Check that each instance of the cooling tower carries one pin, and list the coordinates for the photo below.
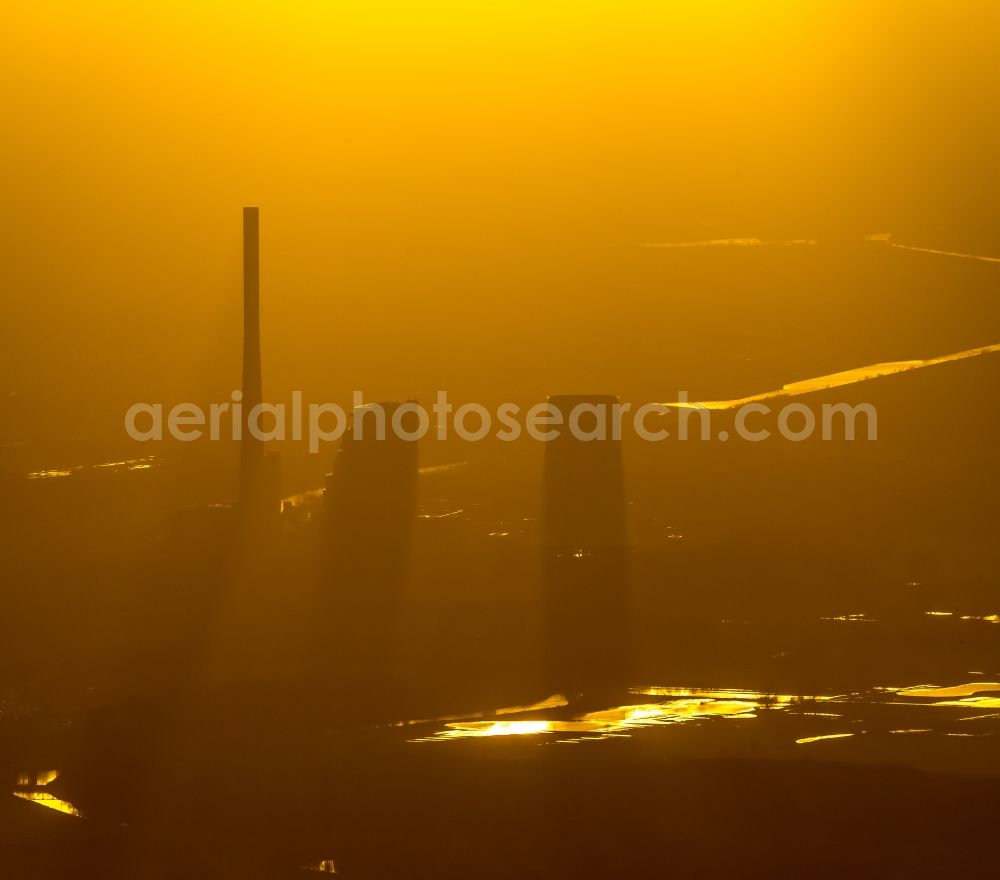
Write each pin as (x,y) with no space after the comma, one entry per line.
(584,554)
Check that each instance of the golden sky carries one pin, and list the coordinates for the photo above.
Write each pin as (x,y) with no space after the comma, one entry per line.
(426,167)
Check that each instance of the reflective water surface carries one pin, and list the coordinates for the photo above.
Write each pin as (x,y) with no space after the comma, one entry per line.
(701,705)
(837,380)
(44,799)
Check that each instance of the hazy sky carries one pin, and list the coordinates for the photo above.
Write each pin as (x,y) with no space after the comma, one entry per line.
(442,184)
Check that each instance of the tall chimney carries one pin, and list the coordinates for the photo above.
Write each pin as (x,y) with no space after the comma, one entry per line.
(251,451)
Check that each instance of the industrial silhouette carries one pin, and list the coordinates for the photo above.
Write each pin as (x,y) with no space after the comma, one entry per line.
(371,508)
(260,469)
(584,556)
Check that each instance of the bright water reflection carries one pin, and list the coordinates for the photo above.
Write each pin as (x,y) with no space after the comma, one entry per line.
(691,704)
(553,719)
(44,799)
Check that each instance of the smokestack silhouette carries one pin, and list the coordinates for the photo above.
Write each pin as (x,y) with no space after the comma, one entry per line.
(584,555)
(260,470)
(252,489)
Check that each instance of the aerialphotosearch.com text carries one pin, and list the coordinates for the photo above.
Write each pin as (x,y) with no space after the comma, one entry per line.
(583,418)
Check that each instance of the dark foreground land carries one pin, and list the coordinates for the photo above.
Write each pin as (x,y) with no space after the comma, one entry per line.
(523,812)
